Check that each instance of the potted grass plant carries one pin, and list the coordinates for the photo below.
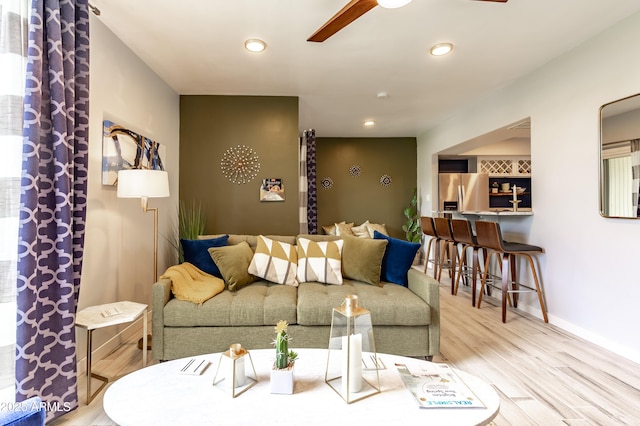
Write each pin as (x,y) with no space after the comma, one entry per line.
(282,371)
(191,223)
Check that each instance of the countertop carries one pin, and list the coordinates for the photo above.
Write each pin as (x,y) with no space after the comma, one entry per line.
(496,212)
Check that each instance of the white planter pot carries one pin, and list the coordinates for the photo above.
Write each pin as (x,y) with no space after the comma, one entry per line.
(282,381)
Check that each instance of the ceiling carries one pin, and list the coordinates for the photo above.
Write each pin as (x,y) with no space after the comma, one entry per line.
(196,46)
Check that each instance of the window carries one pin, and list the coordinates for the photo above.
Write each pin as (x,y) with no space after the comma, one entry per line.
(13,33)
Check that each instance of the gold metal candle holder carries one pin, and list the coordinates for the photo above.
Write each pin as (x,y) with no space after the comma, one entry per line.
(233,376)
(350,340)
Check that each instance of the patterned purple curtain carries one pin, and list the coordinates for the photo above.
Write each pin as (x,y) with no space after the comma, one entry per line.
(312,188)
(53,201)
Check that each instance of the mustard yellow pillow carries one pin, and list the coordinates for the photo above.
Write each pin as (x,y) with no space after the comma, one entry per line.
(320,261)
(233,262)
(362,259)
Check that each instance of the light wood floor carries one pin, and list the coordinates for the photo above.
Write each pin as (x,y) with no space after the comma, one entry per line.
(544,375)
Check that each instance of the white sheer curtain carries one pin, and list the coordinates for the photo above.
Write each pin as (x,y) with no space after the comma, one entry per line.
(13,42)
(635,171)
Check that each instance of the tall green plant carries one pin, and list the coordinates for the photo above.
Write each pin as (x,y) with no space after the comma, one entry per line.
(191,223)
(412,227)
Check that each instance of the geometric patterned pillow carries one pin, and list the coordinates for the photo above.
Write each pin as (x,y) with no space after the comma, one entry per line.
(320,261)
(275,261)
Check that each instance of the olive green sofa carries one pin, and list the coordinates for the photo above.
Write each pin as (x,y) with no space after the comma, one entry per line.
(406,320)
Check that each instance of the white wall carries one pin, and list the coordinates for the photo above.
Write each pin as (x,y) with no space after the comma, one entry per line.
(118,262)
(589,269)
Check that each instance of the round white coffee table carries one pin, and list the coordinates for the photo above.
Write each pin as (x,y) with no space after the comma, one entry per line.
(160,395)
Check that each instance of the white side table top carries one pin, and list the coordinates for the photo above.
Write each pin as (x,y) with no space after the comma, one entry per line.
(160,395)
(108,314)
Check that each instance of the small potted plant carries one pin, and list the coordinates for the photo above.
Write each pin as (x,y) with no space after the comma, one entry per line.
(282,371)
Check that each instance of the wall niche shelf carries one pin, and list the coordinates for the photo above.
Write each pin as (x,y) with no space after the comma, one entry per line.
(508,194)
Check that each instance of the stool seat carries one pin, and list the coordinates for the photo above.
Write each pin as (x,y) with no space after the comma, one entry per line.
(511,247)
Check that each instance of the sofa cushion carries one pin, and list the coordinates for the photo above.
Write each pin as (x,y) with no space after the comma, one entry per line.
(380,227)
(196,252)
(361,230)
(343,229)
(397,259)
(389,304)
(331,229)
(261,303)
(234,262)
(252,240)
(362,259)
(275,261)
(320,261)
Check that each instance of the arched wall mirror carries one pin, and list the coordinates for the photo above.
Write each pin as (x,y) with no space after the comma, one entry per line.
(620,158)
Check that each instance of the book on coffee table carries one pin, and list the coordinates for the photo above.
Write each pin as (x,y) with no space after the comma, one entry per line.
(438,386)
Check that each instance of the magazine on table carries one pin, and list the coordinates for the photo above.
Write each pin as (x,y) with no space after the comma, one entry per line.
(438,386)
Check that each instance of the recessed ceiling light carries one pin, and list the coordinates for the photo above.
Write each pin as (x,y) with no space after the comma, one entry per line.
(441,49)
(368,123)
(255,45)
(392,4)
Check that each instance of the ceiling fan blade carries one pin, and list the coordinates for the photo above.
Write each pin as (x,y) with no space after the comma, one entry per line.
(348,14)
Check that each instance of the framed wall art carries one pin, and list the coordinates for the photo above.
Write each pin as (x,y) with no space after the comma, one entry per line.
(123,149)
(272,190)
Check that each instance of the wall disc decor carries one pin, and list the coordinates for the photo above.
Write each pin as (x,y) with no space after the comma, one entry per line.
(355,170)
(240,164)
(326,183)
(385,180)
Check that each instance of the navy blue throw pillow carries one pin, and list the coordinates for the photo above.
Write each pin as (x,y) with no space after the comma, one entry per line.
(196,252)
(398,258)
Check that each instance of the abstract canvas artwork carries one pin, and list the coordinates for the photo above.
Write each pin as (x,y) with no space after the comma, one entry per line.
(125,149)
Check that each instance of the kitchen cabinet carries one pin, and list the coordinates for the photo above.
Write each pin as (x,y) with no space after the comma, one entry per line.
(504,166)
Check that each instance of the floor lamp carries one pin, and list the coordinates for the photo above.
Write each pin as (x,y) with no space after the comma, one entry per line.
(145,184)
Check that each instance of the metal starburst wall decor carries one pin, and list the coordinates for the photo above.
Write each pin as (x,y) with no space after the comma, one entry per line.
(240,164)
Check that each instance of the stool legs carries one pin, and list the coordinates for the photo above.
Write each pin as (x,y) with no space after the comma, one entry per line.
(433,241)
(475,271)
(508,267)
(448,249)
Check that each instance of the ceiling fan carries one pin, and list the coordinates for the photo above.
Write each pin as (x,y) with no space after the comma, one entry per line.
(352,11)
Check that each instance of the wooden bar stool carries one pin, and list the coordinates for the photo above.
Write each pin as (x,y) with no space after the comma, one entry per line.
(448,249)
(462,234)
(429,229)
(489,236)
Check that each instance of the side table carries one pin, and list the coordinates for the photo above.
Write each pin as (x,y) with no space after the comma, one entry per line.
(106,315)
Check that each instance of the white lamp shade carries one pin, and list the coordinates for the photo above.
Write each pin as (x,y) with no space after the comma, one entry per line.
(139,183)
(392,4)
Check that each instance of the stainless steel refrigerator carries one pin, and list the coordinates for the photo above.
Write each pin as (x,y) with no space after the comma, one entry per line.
(464,191)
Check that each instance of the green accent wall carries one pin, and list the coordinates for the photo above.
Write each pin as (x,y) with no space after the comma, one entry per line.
(209,125)
(360,198)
